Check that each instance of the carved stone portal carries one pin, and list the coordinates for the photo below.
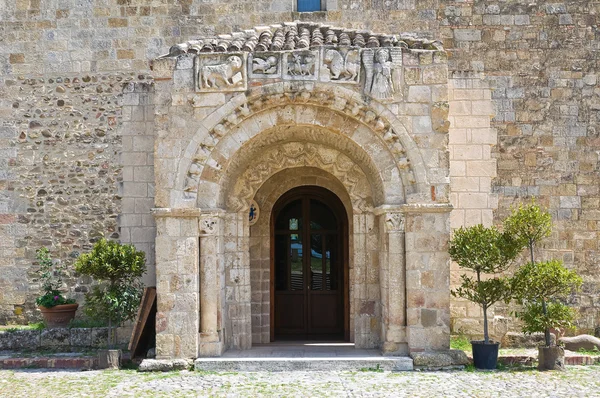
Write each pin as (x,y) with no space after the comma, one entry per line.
(383,72)
(221,72)
(340,65)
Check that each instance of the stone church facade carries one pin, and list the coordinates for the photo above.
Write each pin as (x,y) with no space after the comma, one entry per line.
(295,179)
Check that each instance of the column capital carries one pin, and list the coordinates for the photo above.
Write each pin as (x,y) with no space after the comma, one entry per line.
(209,220)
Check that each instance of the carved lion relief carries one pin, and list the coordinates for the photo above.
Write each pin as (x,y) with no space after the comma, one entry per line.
(220,72)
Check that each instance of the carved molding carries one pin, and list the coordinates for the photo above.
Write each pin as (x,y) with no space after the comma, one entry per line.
(307,95)
(298,154)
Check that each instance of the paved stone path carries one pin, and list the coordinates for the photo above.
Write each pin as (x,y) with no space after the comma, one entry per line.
(575,382)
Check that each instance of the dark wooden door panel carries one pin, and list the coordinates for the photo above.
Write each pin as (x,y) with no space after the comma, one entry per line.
(309,238)
(290,313)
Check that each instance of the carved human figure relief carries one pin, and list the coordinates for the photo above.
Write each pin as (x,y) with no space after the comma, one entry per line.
(220,73)
(383,72)
(341,65)
(300,65)
(264,65)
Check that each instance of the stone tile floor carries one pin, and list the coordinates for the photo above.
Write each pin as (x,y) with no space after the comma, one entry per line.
(577,381)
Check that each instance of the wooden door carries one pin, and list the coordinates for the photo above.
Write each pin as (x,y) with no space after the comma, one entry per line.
(308,265)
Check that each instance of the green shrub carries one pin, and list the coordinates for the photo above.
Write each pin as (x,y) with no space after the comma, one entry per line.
(118,270)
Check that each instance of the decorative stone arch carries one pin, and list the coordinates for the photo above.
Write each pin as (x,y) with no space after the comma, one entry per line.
(371,125)
(230,129)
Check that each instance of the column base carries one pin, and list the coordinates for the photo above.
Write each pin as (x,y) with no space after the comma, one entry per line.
(211,349)
(393,349)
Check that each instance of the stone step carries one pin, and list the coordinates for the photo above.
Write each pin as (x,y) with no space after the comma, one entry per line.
(304,364)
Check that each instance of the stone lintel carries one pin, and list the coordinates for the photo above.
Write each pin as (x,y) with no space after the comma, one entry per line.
(414,208)
(159,212)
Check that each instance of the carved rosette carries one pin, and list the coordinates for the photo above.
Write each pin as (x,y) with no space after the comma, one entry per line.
(220,72)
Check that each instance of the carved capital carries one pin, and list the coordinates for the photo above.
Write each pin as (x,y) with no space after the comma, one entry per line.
(208,223)
(394,222)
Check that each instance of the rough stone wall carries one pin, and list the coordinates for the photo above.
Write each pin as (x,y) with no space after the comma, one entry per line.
(541,62)
(539,58)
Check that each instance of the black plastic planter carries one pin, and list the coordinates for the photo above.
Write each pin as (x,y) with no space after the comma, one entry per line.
(485,356)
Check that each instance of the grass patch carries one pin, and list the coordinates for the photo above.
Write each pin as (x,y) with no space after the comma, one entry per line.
(15,328)
(378,369)
(594,352)
(460,342)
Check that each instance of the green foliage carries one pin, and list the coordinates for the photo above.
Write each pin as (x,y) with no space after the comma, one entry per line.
(539,287)
(50,274)
(557,315)
(118,269)
(485,251)
(544,281)
(110,261)
(528,224)
(482,249)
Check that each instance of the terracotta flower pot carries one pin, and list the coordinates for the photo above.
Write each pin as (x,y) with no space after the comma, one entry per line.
(59,316)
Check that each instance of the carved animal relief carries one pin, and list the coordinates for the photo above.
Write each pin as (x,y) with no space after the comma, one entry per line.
(221,73)
(383,72)
(264,65)
(300,65)
(340,65)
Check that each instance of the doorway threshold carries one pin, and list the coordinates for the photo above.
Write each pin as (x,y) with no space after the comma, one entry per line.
(304,356)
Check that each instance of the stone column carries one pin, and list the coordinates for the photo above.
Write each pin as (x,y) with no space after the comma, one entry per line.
(177,273)
(427,229)
(211,343)
(393,280)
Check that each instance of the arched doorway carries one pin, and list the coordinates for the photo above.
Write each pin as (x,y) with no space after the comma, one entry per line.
(309,266)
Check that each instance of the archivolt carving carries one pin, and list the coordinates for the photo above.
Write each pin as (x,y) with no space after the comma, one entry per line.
(310,94)
(299,154)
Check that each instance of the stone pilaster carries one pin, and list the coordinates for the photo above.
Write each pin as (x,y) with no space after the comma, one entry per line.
(177,270)
(427,229)
(209,224)
(392,280)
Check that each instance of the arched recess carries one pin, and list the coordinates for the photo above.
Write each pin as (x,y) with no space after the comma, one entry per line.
(259,242)
(370,126)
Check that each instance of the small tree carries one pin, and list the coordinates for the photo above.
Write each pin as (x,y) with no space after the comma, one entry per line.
(539,286)
(118,268)
(484,251)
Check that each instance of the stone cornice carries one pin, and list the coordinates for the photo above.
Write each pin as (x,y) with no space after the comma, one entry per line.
(414,208)
(176,212)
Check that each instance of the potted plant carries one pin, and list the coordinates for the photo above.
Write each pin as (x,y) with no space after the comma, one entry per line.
(56,310)
(541,287)
(485,251)
(118,270)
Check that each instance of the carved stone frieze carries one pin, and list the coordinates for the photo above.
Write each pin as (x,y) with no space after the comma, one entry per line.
(300,65)
(383,72)
(225,72)
(263,65)
(340,65)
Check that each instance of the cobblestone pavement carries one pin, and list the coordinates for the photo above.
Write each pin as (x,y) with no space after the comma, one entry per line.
(575,382)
